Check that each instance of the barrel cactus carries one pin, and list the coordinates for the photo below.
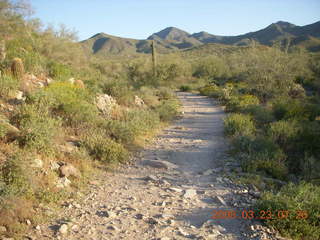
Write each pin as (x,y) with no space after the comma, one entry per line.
(17,68)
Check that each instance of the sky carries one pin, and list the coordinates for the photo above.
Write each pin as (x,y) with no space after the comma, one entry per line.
(140,18)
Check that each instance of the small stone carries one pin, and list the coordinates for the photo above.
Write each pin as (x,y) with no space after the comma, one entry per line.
(182,232)
(189,193)
(114,228)
(151,178)
(37,163)
(3,229)
(28,222)
(63,229)
(76,205)
(221,200)
(139,216)
(54,165)
(63,182)
(175,189)
(170,222)
(207,172)
(255,194)
(152,221)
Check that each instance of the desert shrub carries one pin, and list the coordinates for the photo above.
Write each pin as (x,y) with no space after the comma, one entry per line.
(59,71)
(14,211)
(239,103)
(210,68)
(250,144)
(284,132)
(8,85)
(261,162)
(16,176)
(298,200)
(308,138)
(119,131)
(38,129)
(185,88)
(310,168)
(73,104)
(165,93)
(239,124)
(141,121)
(260,114)
(149,96)
(168,110)
(295,108)
(120,90)
(105,149)
(168,72)
(3,129)
(211,91)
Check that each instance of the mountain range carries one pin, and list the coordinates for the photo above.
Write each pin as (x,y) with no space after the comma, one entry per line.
(173,39)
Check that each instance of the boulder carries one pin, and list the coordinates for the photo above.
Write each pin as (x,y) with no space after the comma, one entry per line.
(37,163)
(138,101)
(63,182)
(105,103)
(190,193)
(71,80)
(79,83)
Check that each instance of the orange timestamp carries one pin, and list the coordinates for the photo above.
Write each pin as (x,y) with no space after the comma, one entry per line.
(262,214)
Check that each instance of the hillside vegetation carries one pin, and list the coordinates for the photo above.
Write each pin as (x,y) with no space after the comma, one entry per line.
(69,110)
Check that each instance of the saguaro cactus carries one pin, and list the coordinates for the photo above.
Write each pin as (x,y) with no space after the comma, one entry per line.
(17,68)
(154,63)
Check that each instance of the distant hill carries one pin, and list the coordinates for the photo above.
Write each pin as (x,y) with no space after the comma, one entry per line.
(173,39)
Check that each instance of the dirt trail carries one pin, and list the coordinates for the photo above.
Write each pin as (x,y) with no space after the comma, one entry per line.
(144,202)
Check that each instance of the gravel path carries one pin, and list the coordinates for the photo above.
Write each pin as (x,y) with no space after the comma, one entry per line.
(169,192)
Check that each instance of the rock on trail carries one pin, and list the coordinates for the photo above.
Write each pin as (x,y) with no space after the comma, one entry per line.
(170,191)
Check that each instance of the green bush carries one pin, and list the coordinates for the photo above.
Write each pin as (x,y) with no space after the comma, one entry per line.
(168,110)
(165,93)
(295,108)
(260,154)
(239,103)
(104,149)
(3,130)
(211,91)
(238,124)
(73,104)
(284,132)
(260,162)
(59,71)
(260,114)
(297,200)
(185,88)
(38,129)
(210,68)
(142,121)
(16,176)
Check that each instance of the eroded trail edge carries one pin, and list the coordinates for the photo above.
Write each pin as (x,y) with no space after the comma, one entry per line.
(169,192)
